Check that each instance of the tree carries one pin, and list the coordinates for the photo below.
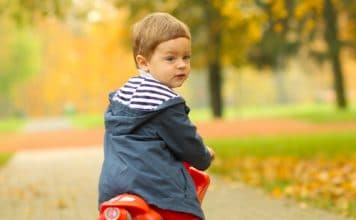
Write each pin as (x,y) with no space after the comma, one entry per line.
(331,35)
(291,24)
(322,17)
(222,30)
(276,44)
(24,12)
(19,59)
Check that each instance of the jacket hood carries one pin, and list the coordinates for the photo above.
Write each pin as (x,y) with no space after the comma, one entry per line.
(128,119)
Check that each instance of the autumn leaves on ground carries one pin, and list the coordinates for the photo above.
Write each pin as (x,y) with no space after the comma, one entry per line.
(313,163)
(326,183)
(315,167)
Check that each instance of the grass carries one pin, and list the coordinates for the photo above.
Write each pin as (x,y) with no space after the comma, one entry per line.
(301,145)
(5,157)
(324,114)
(312,113)
(8,125)
(305,146)
(88,120)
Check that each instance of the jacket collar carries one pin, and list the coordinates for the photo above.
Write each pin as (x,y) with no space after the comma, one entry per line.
(146,75)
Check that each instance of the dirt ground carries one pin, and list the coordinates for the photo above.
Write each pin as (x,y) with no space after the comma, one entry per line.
(68,138)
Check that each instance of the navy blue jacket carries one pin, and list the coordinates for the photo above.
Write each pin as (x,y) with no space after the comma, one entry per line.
(143,154)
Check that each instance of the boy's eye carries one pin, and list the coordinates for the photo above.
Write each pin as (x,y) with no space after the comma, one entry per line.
(169,58)
(186,57)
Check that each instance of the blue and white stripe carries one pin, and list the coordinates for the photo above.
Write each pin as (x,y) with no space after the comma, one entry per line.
(143,92)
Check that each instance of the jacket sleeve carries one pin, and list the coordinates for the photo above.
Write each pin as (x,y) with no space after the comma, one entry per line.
(181,137)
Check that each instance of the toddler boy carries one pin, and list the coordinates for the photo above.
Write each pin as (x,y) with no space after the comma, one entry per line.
(147,130)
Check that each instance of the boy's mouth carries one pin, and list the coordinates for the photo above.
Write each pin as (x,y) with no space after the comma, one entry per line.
(182,75)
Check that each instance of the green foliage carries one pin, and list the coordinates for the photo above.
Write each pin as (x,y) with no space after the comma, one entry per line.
(5,157)
(10,124)
(24,12)
(275,45)
(21,59)
(207,19)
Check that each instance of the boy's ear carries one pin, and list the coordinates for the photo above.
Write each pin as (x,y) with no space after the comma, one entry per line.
(142,63)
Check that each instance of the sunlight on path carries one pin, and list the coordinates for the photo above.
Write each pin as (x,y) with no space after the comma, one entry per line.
(52,184)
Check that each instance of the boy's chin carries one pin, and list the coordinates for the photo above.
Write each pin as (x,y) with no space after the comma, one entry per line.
(177,85)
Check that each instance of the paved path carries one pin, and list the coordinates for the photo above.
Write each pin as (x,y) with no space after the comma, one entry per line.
(47,124)
(62,185)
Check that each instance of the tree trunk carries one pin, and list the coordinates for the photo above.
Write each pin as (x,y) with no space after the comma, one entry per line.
(279,78)
(214,62)
(333,42)
(279,82)
(215,82)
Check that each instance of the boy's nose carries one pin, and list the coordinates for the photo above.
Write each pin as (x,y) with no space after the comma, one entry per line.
(182,63)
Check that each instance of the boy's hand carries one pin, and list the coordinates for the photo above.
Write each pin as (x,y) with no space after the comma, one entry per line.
(212,153)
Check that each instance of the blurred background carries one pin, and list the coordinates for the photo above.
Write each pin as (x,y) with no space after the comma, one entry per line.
(64,57)
(272,90)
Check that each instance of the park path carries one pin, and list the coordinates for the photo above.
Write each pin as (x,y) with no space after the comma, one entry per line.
(61,184)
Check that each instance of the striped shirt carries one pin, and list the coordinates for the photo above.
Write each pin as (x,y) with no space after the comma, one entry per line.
(143,92)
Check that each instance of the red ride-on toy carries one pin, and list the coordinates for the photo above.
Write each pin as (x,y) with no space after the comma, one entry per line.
(132,207)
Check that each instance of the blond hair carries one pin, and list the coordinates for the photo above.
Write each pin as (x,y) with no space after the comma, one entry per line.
(154,29)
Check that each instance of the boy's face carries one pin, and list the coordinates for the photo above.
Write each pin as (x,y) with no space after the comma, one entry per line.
(170,62)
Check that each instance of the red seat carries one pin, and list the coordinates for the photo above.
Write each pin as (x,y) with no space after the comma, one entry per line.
(135,205)
(201,181)
(125,205)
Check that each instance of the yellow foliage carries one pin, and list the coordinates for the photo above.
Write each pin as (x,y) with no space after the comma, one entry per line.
(254,30)
(309,25)
(313,179)
(79,68)
(230,10)
(305,7)
(277,192)
(279,10)
(278,28)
